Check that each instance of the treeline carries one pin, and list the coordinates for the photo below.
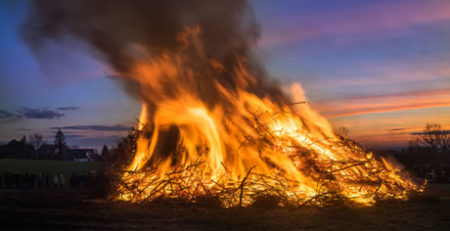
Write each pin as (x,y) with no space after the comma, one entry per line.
(34,147)
(428,156)
(17,150)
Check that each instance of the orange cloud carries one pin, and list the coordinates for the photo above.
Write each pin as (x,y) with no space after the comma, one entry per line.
(367,104)
(393,128)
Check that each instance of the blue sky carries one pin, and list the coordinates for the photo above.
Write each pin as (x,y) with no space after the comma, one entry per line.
(376,67)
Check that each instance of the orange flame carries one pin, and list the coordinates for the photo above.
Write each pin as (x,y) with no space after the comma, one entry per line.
(246,143)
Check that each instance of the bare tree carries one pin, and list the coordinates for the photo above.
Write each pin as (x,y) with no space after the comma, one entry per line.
(342,132)
(434,138)
(37,140)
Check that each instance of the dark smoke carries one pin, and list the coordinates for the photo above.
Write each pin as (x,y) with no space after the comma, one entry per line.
(112,28)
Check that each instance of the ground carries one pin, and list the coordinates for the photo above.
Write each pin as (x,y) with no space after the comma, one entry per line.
(52,166)
(68,209)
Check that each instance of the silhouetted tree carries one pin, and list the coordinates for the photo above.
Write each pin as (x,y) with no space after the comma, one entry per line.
(105,151)
(342,132)
(36,140)
(429,153)
(23,140)
(433,138)
(60,139)
(124,152)
(60,143)
(16,149)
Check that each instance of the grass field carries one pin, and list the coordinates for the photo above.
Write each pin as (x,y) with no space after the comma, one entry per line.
(67,168)
(74,210)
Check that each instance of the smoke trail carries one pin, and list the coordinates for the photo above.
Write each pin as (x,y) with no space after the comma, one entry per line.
(122,32)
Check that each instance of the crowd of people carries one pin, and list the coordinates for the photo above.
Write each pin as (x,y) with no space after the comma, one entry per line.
(45,180)
(85,179)
(434,175)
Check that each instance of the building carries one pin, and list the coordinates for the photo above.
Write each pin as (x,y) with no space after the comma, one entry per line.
(50,151)
(47,151)
(82,154)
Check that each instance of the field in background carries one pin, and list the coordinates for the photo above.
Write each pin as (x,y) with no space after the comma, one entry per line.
(67,168)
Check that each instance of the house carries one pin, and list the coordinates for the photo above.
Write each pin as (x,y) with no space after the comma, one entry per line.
(47,151)
(81,154)
(52,151)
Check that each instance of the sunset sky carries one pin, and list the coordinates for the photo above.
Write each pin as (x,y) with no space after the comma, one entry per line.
(378,68)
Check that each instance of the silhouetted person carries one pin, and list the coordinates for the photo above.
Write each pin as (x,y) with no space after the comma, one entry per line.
(61,180)
(55,181)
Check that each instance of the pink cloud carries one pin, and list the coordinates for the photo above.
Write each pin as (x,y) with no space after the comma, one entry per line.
(400,72)
(369,104)
(392,129)
(368,21)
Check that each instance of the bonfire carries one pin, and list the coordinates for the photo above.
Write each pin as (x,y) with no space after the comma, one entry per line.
(245,147)
(213,123)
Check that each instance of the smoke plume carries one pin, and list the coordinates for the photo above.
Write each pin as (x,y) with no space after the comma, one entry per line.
(121,33)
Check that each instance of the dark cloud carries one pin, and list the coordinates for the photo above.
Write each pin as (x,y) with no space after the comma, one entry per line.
(67,108)
(7,115)
(431,132)
(73,136)
(95,127)
(94,141)
(398,129)
(34,113)
(31,113)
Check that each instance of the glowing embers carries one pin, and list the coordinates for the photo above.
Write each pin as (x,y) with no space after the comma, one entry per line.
(279,156)
(215,130)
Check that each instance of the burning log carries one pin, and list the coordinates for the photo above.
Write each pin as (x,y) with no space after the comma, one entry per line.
(360,178)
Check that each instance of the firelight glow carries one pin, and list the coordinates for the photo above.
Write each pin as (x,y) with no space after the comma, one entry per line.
(245,145)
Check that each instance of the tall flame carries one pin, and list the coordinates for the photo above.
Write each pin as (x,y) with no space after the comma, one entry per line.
(245,144)
(212,124)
